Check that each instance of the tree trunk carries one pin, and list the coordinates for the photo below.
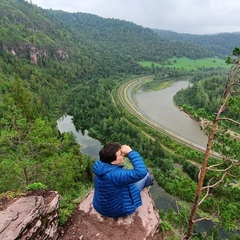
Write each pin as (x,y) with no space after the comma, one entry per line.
(200,180)
(232,81)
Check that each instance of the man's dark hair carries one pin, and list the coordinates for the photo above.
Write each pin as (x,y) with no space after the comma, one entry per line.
(108,153)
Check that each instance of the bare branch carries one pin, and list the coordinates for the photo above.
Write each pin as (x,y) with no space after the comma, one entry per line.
(231,175)
(203,127)
(217,165)
(201,219)
(220,170)
(179,210)
(230,120)
(206,195)
(215,184)
(232,82)
(207,218)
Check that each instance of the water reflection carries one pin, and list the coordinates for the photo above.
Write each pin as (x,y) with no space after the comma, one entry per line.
(162,199)
(88,145)
(159,107)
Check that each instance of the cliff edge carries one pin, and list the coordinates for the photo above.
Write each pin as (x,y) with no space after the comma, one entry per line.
(34,216)
(87,224)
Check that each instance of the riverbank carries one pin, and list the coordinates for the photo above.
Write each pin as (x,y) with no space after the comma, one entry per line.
(140,126)
(158,107)
(136,110)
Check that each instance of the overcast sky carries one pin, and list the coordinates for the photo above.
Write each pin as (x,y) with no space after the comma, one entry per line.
(182,16)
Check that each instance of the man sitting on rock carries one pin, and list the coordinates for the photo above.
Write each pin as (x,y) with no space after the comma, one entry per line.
(117,190)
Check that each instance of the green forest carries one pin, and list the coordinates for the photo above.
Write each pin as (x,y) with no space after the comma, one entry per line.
(54,62)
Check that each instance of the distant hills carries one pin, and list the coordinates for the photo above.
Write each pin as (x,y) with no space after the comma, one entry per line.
(220,44)
(53,62)
(23,24)
(86,45)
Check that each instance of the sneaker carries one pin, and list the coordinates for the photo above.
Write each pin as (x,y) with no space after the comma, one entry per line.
(150,171)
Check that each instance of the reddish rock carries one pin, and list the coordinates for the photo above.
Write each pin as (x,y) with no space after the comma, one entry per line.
(87,224)
(31,217)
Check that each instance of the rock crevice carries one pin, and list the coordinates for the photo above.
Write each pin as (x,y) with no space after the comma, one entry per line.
(31,217)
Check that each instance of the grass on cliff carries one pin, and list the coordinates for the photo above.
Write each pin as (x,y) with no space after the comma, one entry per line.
(68,204)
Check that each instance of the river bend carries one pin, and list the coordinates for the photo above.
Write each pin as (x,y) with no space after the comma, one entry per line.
(159,107)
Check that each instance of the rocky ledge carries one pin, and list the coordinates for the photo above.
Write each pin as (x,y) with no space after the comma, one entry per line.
(34,216)
(87,224)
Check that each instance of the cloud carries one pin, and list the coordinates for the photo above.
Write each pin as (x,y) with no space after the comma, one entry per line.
(183,16)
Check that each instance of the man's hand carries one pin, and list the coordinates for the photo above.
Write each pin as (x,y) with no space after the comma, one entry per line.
(125,149)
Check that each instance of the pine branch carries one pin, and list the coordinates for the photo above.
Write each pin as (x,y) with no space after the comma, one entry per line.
(201,219)
(206,195)
(215,184)
(230,120)
(219,170)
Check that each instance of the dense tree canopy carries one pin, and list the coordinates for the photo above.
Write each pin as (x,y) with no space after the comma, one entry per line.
(53,62)
(220,44)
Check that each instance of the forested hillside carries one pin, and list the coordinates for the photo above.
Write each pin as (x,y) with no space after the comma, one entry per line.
(203,99)
(54,62)
(204,94)
(96,45)
(220,44)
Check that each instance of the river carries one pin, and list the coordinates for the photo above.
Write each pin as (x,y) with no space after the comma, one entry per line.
(91,147)
(159,107)
(88,145)
(163,200)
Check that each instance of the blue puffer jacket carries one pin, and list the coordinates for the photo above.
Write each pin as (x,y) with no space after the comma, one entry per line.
(115,194)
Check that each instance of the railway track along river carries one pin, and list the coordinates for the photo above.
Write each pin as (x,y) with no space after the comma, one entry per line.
(127,89)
